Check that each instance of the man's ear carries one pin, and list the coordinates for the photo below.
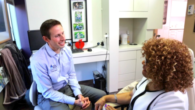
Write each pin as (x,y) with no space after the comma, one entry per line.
(45,39)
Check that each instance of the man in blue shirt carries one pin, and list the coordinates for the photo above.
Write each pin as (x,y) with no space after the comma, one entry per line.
(53,71)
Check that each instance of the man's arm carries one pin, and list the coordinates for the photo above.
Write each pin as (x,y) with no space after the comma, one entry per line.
(73,82)
(44,84)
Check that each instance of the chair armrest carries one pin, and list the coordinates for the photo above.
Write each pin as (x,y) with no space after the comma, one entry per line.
(113,104)
(116,105)
(129,87)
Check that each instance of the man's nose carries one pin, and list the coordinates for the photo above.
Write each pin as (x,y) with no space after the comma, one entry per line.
(62,37)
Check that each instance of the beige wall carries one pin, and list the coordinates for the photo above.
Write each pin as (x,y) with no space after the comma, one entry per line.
(189,35)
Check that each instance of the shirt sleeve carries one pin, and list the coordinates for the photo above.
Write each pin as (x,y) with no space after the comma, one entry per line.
(172,101)
(44,84)
(73,82)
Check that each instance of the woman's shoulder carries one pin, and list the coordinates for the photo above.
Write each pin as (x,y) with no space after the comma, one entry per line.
(176,95)
(172,99)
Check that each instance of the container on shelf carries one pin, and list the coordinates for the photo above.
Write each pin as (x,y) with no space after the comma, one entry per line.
(124,39)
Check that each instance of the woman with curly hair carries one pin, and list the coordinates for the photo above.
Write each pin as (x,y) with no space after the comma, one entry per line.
(167,73)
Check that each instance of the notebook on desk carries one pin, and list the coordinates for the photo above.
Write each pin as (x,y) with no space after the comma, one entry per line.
(77,50)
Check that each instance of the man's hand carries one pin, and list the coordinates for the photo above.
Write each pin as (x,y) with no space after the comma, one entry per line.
(100,103)
(85,101)
(78,102)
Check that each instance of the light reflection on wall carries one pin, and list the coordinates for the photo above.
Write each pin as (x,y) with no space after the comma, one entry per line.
(14,25)
(2,21)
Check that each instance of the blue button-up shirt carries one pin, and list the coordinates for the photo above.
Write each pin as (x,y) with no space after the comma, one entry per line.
(52,71)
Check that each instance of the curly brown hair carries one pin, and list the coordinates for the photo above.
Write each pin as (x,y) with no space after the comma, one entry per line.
(169,64)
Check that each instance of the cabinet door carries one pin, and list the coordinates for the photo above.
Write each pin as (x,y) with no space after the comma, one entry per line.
(180,35)
(126,5)
(176,34)
(139,66)
(127,55)
(155,14)
(140,5)
(127,66)
(126,72)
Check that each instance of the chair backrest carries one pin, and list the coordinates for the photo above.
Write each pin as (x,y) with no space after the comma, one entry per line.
(191,91)
(33,97)
(33,93)
(191,96)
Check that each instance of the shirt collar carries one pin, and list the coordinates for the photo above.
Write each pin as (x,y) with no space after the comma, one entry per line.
(50,51)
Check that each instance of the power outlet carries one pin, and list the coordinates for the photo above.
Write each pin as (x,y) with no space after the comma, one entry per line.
(106,35)
(104,68)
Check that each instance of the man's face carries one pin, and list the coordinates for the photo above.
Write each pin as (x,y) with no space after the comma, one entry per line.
(57,38)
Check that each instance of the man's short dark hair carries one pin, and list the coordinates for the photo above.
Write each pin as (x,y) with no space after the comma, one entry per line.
(47,25)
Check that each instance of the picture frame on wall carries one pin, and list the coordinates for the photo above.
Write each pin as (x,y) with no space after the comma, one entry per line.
(4,23)
(78,20)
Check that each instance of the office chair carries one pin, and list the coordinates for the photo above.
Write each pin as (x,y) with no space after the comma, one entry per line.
(33,97)
(190,91)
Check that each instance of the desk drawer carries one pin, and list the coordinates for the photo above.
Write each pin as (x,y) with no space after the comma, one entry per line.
(127,55)
(127,66)
(89,59)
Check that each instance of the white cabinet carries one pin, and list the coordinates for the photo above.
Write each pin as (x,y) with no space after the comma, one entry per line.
(139,66)
(127,64)
(138,18)
(140,5)
(126,5)
(155,14)
(150,9)
(127,55)
(133,5)
(130,65)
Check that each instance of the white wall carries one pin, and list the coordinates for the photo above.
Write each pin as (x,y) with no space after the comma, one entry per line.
(40,10)
(126,24)
(85,71)
(136,28)
(139,30)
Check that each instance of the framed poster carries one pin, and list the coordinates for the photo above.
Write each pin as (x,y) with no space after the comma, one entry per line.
(78,18)
(4,23)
